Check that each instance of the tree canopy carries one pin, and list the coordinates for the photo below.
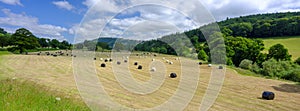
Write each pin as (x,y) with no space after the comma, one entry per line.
(278,52)
(23,40)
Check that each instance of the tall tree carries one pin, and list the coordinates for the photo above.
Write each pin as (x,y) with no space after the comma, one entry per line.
(278,52)
(24,40)
(2,31)
(43,42)
(4,39)
(54,43)
(239,48)
(64,45)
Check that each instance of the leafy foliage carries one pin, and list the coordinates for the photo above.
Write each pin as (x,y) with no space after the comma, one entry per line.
(278,52)
(239,48)
(281,69)
(246,64)
(24,40)
(202,55)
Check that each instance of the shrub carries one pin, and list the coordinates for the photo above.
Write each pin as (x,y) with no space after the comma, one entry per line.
(202,55)
(294,75)
(255,68)
(229,61)
(245,64)
(275,68)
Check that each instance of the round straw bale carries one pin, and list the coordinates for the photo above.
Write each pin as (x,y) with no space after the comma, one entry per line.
(173,75)
(200,63)
(220,67)
(103,65)
(268,95)
(140,67)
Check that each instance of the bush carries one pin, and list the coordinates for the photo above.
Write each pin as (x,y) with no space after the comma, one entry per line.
(255,68)
(202,55)
(278,69)
(297,61)
(294,75)
(229,61)
(245,64)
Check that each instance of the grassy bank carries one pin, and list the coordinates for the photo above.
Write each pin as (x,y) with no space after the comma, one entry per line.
(28,96)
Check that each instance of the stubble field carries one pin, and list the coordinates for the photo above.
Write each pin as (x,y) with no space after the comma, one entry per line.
(238,92)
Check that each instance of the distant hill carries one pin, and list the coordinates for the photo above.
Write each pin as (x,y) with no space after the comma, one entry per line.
(111,41)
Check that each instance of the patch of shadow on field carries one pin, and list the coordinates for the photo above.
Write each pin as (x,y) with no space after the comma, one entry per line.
(289,88)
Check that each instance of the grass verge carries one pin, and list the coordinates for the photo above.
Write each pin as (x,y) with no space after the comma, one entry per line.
(28,96)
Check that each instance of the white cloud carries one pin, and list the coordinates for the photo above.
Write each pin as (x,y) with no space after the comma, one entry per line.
(12,2)
(89,3)
(235,8)
(31,23)
(101,11)
(153,17)
(63,4)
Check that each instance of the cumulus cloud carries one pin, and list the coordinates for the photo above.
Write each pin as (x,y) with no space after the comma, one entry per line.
(12,2)
(235,8)
(31,23)
(63,4)
(161,16)
(137,21)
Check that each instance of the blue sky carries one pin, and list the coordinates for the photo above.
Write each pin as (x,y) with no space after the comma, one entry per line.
(66,19)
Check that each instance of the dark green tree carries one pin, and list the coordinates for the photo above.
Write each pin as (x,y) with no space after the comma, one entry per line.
(239,48)
(2,31)
(64,45)
(278,52)
(43,42)
(54,43)
(24,40)
(4,39)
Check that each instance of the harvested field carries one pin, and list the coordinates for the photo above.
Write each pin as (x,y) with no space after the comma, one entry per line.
(238,93)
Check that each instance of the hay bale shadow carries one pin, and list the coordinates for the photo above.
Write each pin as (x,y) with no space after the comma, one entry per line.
(289,88)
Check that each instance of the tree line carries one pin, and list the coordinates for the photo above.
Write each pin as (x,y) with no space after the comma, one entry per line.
(241,43)
(23,40)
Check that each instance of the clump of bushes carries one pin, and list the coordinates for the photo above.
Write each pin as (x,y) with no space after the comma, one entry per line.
(255,68)
(246,64)
(275,69)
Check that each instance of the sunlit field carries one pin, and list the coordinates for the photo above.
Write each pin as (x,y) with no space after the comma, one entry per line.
(55,74)
(291,43)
